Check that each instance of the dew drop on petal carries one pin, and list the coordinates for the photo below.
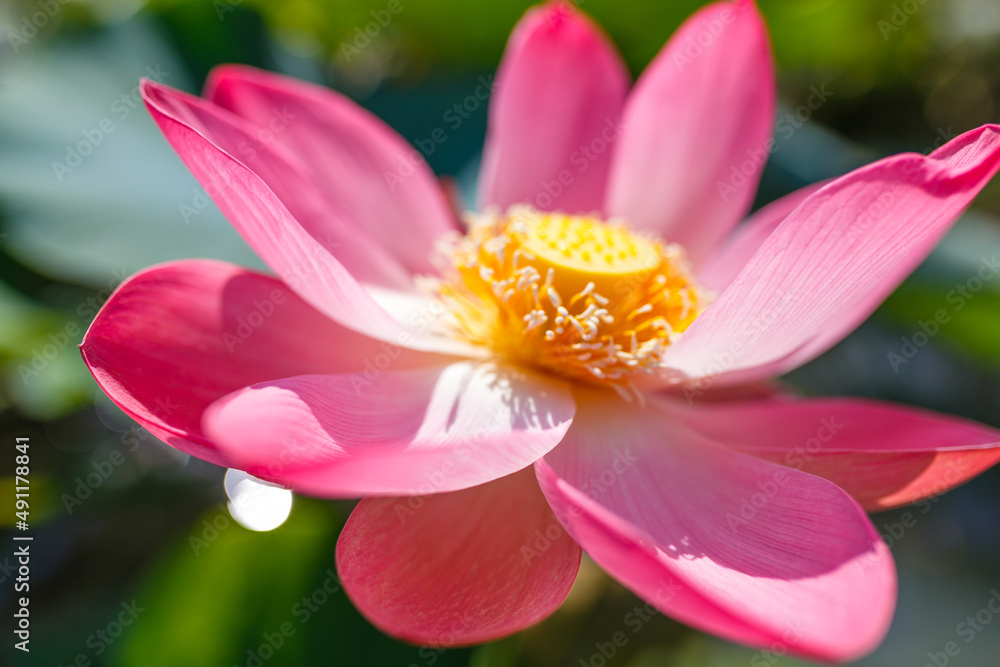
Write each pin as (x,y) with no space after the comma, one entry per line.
(254,503)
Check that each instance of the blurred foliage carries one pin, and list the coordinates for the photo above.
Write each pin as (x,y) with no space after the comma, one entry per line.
(974,329)
(292,610)
(901,80)
(426,33)
(954,298)
(43,375)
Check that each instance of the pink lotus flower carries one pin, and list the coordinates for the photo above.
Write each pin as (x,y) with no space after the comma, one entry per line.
(574,341)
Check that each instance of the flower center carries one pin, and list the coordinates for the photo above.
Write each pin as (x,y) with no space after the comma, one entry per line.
(573,295)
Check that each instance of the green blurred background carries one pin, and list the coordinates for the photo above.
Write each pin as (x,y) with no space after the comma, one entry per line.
(154,534)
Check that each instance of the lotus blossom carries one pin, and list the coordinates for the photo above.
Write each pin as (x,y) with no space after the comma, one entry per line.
(580,365)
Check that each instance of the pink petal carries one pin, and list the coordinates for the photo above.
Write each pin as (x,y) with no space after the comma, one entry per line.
(458,568)
(554,114)
(380,183)
(174,338)
(727,260)
(703,108)
(298,233)
(884,455)
(952,151)
(282,172)
(436,429)
(731,544)
(834,259)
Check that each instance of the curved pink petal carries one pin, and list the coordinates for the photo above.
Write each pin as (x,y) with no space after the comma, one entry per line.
(458,568)
(430,430)
(727,260)
(956,151)
(298,234)
(554,115)
(833,260)
(884,455)
(381,184)
(281,171)
(174,338)
(698,129)
(729,543)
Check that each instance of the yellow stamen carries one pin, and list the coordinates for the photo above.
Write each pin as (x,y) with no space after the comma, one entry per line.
(572,295)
